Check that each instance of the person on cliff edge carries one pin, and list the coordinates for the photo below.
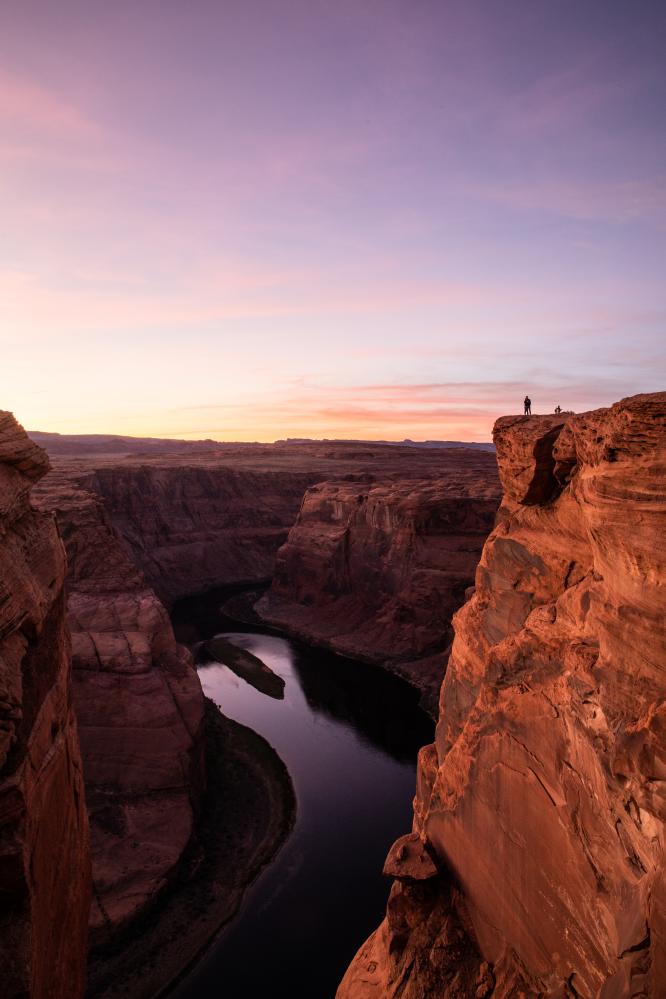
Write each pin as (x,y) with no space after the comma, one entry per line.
(528,406)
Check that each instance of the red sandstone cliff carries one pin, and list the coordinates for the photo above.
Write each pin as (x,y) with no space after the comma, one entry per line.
(192,527)
(543,801)
(197,516)
(139,707)
(375,570)
(44,857)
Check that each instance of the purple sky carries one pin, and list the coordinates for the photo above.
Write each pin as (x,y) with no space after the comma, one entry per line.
(246,219)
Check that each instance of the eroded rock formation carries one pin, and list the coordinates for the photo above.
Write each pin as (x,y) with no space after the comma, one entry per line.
(192,527)
(194,516)
(139,706)
(44,855)
(543,801)
(376,569)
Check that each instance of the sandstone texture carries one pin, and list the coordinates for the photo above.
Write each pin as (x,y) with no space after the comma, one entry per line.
(543,800)
(139,707)
(376,569)
(198,515)
(44,851)
(193,527)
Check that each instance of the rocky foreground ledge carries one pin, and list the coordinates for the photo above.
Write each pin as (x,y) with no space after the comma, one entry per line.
(542,803)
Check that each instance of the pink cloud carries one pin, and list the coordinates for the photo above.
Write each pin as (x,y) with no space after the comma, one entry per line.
(35,108)
(617,201)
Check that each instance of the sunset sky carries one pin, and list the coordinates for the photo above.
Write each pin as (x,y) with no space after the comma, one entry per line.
(353,218)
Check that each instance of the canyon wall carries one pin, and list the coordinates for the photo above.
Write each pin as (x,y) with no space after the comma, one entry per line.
(375,569)
(196,526)
(179,521)
(536,863)
(44,854)
(195,516)
(139,707)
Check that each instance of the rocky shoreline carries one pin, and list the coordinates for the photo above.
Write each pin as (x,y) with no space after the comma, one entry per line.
(248,812)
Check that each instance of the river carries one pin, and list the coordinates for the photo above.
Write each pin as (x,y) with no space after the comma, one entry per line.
(348,734)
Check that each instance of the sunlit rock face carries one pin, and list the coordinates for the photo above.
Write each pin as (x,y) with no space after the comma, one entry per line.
(139,706)
(44,850)
(543,800)
(375,570)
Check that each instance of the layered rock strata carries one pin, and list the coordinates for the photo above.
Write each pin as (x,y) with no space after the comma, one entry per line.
(542,803)
(376,570)
(44,853)
(139,706)
(194,527)
(202,515)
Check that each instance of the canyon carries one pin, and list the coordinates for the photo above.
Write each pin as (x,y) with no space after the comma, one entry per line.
(144,523)
(535,864)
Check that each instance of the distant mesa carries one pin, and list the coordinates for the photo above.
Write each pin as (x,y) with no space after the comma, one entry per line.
(407,442)
(66,444)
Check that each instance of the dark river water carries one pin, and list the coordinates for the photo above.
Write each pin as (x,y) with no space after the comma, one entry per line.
(348,734)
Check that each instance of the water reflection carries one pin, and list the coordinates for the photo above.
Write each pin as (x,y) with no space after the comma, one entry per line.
(348,734)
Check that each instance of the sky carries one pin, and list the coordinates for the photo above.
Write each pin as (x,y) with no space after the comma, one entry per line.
(252,219)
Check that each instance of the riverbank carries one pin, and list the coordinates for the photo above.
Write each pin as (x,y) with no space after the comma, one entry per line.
(248,813)
(230,607)
(348,734)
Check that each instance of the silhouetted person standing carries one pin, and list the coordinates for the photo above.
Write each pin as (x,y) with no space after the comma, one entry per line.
(528,406)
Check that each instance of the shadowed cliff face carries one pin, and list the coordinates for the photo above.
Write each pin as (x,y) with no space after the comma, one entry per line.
(376,570)
(198,516)
(139,707)
(44,856)
(191,528)
(543,799)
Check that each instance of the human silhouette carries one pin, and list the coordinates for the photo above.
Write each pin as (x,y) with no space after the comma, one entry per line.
(558,409)
(528,406)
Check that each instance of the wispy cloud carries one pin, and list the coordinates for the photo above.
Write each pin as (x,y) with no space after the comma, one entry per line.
(32,108)
(441,409)
(579,198)
(44,128)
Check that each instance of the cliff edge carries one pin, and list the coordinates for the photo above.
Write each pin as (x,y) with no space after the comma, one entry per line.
(542,803)
(44,856)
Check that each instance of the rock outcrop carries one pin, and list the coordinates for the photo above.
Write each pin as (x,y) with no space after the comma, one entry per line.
(376,569)
(44,854)
(543,801)
(140,708)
